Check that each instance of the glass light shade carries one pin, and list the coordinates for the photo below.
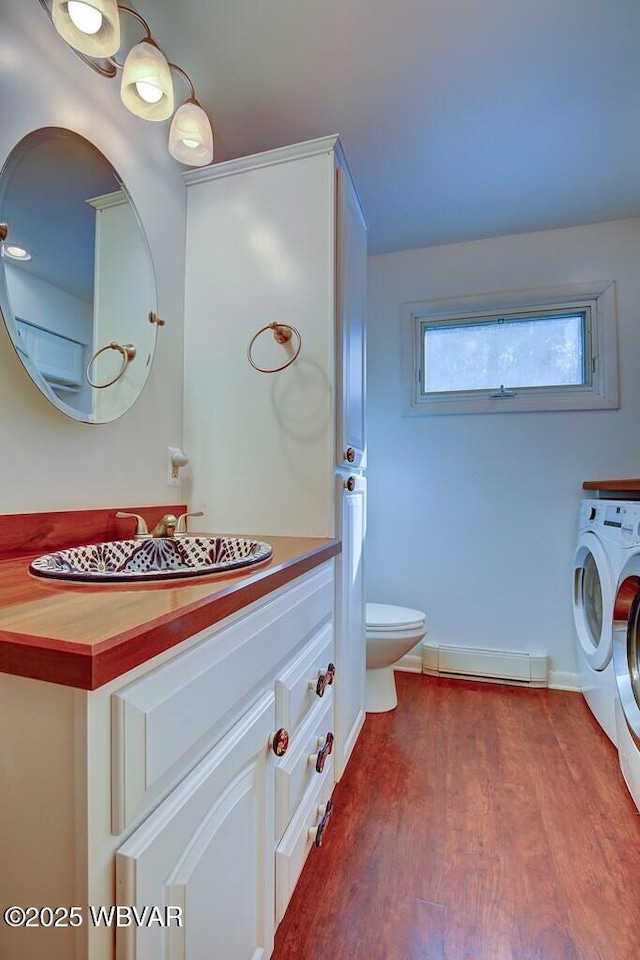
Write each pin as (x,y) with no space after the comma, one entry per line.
(191,136)
(147,86)
(76,23)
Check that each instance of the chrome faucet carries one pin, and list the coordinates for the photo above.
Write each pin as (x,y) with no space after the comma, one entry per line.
(165,527)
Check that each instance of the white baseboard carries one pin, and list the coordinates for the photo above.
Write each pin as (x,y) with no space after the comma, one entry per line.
(563,680)
(410,663)
(492,666)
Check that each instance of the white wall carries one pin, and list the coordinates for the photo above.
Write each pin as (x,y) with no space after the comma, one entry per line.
(56,462)
(472,518)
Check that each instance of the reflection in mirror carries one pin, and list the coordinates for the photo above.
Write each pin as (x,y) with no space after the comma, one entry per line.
(77,290)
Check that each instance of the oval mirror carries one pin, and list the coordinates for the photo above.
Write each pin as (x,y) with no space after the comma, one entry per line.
(77,289)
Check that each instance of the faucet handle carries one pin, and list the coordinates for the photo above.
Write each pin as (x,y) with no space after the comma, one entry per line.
(142,529)
(181,527)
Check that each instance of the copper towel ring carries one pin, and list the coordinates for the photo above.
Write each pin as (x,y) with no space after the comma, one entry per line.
(282,333)
(128,352)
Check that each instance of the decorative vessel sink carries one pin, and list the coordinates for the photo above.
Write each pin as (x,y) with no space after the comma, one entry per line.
(153,559)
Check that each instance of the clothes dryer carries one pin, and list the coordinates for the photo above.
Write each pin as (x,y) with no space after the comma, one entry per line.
(626,653)
(597,563)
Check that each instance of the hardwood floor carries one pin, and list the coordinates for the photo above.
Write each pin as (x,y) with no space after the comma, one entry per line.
(474,822)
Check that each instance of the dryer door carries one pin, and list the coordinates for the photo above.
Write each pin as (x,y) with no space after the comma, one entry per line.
(593,596)
(626,648)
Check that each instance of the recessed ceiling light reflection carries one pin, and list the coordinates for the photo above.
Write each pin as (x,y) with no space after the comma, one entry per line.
(14,252)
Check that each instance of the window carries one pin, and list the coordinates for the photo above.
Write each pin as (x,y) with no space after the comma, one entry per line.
(528,350)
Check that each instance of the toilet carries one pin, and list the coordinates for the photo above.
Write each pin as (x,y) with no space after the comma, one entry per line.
(391,632)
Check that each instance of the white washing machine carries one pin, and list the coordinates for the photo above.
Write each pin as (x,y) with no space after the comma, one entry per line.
(598,559)
(626,654)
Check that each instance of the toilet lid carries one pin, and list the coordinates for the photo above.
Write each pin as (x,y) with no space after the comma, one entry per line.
(385,615)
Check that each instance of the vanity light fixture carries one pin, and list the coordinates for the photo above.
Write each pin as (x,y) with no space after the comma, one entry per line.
(92,27)
(147,87)
(190,135)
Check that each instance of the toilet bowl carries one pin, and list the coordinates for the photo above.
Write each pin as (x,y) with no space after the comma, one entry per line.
(391,632)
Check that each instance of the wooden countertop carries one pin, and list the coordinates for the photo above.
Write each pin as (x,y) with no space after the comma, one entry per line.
(84,634)
(622,485)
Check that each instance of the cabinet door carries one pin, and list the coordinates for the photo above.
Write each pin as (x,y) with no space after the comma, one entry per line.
(350,618)
(260,248)
(351,299)
(209,851)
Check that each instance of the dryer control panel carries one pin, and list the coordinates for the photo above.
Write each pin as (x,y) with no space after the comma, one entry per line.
(613,514)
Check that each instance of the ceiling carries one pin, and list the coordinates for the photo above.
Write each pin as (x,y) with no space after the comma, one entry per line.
(48,183)
(461,119)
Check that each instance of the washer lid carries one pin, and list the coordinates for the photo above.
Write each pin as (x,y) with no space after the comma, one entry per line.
(382,616)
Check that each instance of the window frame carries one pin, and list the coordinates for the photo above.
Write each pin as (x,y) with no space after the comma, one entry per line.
(600,393)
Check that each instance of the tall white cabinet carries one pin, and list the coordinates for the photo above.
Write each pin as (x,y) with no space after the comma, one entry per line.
(123,280)
(281,237)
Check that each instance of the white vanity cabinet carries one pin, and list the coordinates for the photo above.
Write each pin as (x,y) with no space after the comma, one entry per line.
(208,849)
(281,237)
(194,784)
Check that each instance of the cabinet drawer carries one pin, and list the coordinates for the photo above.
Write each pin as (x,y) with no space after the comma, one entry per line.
(293,849)
(296,688)
(296,772)
(164,722)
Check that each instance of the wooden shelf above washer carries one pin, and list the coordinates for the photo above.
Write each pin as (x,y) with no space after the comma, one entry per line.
(622,485)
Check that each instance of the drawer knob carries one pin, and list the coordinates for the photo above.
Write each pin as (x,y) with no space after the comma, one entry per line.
(319,759)
(324,680)
(350,455)
(279,742)
(316,833)
(350,484)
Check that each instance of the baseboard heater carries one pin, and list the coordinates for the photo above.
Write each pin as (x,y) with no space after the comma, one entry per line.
(491,666)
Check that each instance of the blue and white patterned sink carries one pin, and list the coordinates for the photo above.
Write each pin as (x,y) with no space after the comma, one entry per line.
(153,559)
